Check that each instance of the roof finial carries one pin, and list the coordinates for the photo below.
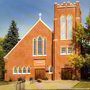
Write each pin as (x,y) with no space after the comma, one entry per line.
(40,16)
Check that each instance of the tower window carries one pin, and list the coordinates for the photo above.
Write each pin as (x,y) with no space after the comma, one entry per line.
(63,27)
(69,27)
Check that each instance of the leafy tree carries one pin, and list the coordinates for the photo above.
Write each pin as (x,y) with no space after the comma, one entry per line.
(77,62)
(2,64)
(1,42)
(87,60)
(11,38)
(82,35)
(87,30)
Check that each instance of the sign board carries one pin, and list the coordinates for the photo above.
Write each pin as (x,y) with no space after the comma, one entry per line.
(39,63)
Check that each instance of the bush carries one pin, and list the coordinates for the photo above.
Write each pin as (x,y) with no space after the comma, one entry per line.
(39,80)
(31,78)
(20,79)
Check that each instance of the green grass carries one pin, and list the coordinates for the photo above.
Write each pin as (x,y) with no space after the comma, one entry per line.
(83,84)
(7,85)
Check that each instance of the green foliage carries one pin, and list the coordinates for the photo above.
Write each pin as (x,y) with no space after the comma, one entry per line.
(76,61)
(1,42)
(82,35)
(11,38)
(87,60)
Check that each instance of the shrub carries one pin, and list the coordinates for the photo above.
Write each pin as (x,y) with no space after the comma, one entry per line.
(31,78)
(39,80)
(20,79)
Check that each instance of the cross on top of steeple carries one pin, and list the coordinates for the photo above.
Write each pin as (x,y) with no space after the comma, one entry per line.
(40,16)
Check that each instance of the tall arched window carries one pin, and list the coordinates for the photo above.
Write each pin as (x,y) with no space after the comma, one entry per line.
(63,27)
(34,43)
(23,70)
(14,70)
(39,46)
(40,43)
(44,46)
(69,27)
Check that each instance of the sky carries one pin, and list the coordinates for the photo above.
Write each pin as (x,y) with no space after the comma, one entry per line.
(25,13)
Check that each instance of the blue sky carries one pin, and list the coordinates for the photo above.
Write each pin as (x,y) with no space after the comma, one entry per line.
(25,13)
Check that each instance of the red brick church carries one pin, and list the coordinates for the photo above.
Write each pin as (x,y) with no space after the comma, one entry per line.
(43,52)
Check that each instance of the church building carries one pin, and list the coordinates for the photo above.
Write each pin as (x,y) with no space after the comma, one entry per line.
(43,53)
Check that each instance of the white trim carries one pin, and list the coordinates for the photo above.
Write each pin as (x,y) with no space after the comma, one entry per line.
(26,35)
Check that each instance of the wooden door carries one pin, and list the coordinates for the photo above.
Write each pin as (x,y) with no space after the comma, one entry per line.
(39,73)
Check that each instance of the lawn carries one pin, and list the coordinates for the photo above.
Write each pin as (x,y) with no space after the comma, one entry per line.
(7,86)
(83,84)
(58,84)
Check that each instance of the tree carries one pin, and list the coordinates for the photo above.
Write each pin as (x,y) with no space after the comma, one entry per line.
(82,35)
(2,64)
(11,38)
(1,42)
(77,62)
(87,30)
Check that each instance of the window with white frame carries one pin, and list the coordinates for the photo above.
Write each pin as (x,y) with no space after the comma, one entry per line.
(44,46)
(63,27)
(69,27)
(63,51)
(15,70)
(28,70)
(70,50)
(66,50)
(19,70)
(34,41)
(39,46)
(24,70)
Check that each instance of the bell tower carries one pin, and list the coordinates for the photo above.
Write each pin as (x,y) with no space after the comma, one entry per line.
(67,16)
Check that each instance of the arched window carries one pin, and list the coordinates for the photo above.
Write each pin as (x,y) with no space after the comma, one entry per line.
(44,46)
(69,27)
(34,43)
(63,27)
(28,70)
(24,70)
(40,43)
(39,46)
(14,70)
(19,70)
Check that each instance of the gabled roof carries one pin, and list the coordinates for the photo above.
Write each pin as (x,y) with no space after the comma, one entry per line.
(27,34)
